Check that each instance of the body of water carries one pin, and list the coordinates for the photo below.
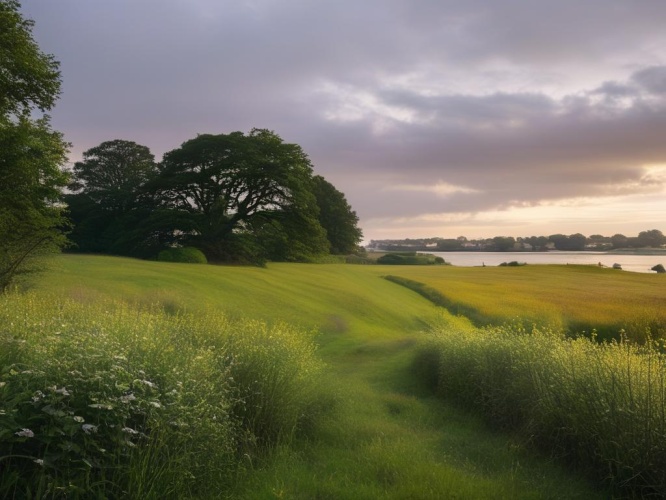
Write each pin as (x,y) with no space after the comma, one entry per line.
(634,263)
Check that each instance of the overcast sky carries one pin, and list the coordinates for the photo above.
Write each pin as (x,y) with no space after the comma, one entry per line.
(435,118)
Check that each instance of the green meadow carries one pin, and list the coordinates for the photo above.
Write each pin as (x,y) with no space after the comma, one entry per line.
(326,381)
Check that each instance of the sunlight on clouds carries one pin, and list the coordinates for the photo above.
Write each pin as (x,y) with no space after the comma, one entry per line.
(440,188)
(608,215)
(353,104)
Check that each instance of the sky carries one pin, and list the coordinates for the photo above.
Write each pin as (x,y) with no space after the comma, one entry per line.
(435,118)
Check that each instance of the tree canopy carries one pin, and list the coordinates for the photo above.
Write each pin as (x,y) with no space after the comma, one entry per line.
(336,217)
(31,153)
(108,196)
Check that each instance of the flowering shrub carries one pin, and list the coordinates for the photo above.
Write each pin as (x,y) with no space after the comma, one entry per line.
(107,400)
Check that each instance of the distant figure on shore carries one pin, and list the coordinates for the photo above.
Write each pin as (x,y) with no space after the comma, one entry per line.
(483,264)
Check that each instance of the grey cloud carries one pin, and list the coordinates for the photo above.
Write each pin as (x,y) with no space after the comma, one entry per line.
(652,79)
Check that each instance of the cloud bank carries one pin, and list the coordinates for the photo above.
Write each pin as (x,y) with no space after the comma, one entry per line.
(436,116)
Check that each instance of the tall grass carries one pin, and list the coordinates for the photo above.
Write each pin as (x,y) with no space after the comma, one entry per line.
(599,406)
(105,400)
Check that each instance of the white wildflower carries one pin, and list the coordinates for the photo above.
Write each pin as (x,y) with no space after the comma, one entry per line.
(127,398)
(130,431)
(155,404)
(25,433)
(79,419)
(39,461)
(150,384)
(62,390)
(37,396)
(101,406)
(89,428)
(2,384)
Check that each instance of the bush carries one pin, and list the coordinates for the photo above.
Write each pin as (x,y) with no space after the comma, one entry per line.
(599,406)
(659,268)
(107,401)
(188,255)
(409,258)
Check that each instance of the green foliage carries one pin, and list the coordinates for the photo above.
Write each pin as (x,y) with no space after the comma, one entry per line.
(230,184)
(105,400)
(28,78)
(659,268)
(182,254)
(336,217)
(409,258)
(31,154)
(598,406)
(108,199)
(513,263)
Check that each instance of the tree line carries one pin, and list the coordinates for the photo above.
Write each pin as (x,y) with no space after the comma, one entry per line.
(652,238)
(236,197)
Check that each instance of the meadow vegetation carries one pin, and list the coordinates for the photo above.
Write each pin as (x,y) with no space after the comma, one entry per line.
(174,383)
(368,424)
(107,400)
(598,406)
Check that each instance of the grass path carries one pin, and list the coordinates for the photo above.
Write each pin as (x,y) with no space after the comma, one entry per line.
(393,439)
(388,437)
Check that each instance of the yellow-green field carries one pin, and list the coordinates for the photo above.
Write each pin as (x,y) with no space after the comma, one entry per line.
(574,297)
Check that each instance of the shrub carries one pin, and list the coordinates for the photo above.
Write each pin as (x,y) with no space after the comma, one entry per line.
(107,401)
(188,255)
(409,258)
(659,268)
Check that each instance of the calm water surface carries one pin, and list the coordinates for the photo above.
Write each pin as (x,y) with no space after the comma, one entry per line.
(635,263)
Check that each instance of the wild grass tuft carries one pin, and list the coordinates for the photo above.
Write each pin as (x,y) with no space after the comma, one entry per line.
(600,406)
(108,400)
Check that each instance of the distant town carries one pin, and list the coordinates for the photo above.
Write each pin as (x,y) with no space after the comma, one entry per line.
(652,238)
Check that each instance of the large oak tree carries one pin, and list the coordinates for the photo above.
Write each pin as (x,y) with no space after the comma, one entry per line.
(241,196)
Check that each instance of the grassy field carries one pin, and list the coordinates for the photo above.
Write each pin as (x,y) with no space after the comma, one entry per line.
(577,298)
(386,436)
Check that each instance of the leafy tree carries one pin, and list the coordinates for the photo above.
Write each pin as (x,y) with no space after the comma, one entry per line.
(225,190)
(113,174)
(31,153)
(336,217)
(503,243)
(108,197)
(652,238)
(572,242)
(449,245)
(619,241)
